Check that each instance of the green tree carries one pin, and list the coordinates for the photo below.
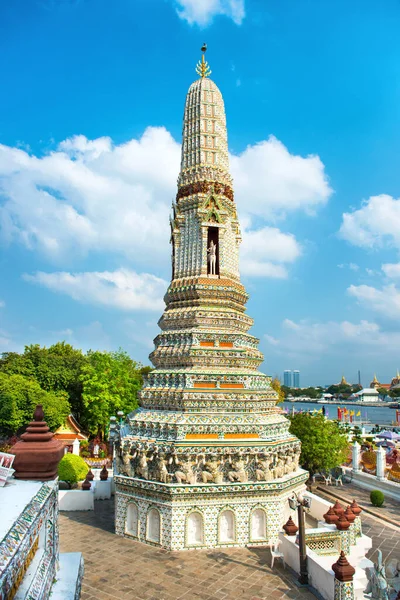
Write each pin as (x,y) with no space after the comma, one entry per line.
(110,382)
(18,399)
(342,389)
(56,369)
(323,445)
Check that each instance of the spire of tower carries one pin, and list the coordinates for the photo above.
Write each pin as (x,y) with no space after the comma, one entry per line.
(202,67)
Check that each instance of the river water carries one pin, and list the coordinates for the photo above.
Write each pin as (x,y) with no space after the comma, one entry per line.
(369,414)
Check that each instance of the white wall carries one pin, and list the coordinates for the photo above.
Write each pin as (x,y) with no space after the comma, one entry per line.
(76,499)
(370,482)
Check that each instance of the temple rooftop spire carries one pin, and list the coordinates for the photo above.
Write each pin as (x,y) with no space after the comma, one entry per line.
(202,67)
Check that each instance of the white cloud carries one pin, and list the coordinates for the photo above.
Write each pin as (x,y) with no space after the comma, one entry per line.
(202,12)
(376,224)
(2,304)
(269,181)
(392,270)
(311,339)
(92,196)
(123,289)
(385,301)
(264,252)
(351,266)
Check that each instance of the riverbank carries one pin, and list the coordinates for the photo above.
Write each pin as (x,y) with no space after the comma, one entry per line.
(380,403)
(365,413)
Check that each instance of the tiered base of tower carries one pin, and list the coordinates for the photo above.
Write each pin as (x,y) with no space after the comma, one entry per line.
(179,517)
(216,473)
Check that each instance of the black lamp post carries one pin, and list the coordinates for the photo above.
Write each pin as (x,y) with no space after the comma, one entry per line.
(300,502)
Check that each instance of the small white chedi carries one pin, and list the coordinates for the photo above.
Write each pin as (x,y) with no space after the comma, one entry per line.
(207,460)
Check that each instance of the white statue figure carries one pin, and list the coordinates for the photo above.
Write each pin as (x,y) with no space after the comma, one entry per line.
(212,257)
(96,449)
(263,471)
(161,468)
(288,466)
(185,472)
(296,460)
(142,468)
(377,586)
(211,472)
(393,573)
(279,468)
(239,470)
(124,462)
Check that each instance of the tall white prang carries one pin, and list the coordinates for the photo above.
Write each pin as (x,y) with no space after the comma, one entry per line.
(207,460)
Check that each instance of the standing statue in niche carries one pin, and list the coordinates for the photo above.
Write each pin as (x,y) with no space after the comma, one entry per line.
(212,258)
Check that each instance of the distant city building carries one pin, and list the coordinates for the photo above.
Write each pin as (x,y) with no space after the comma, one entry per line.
(296,379)
(366,395)
(287,379)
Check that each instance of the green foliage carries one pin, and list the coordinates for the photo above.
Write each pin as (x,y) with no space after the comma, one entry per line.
(56,369)
(323,445)
(311,392)
(342,389)
(72,468)
(18,399)
(357,435)
(377,498)
(64,371)
(110,383)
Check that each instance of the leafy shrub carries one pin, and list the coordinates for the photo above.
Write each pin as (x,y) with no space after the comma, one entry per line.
(72,468)
(84,444)
(377,498)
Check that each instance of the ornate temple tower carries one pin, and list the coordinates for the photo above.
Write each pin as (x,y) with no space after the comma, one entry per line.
(207,460)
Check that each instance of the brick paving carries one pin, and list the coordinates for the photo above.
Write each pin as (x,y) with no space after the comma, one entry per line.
(120,568)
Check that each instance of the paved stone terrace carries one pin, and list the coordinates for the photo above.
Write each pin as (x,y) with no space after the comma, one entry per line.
(121,568)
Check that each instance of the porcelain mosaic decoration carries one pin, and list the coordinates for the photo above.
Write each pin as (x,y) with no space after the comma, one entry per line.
(32,542)
(207,460)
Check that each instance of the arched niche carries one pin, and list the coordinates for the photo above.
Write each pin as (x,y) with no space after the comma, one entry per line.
(258,525)
(153,530)
(132,519)
(227,526)
(195,529)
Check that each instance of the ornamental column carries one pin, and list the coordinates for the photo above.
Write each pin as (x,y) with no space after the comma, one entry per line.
(356,457)
(344,572)
(380,463)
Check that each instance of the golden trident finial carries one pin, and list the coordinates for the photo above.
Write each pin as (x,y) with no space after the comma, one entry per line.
(202,67)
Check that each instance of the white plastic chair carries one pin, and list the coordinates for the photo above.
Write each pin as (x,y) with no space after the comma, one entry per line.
(276,554)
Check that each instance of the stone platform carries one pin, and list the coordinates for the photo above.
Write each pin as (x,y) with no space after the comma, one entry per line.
(122,569)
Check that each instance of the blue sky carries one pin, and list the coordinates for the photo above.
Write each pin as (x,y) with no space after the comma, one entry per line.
(90,124)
